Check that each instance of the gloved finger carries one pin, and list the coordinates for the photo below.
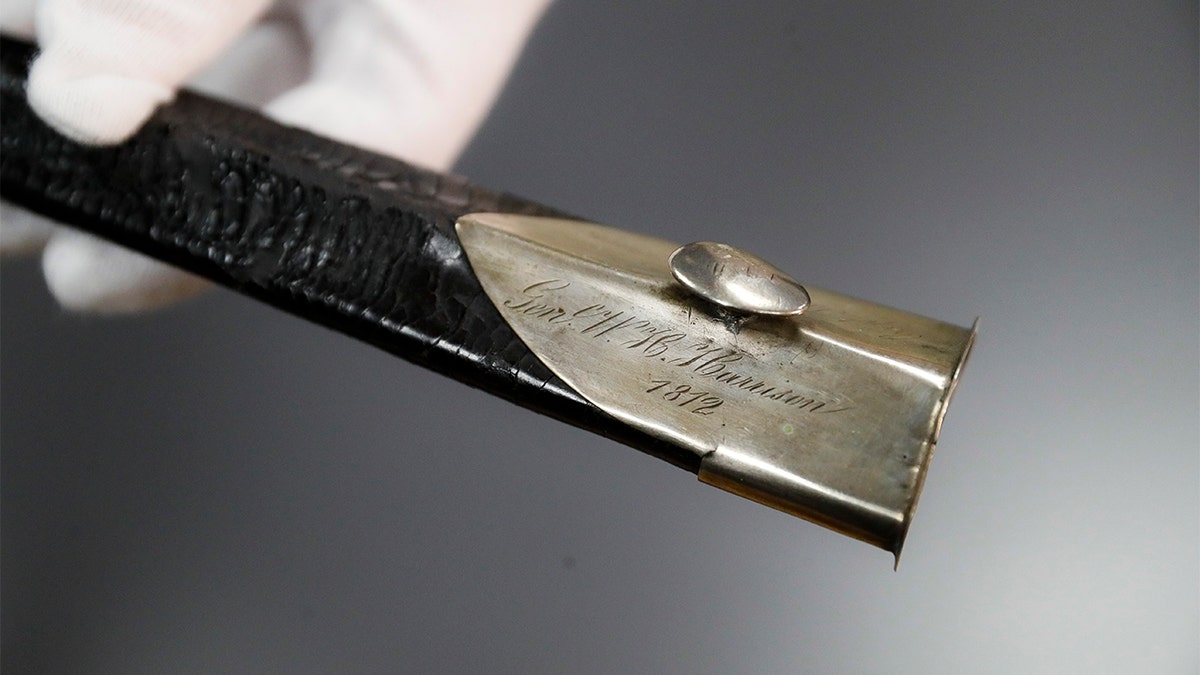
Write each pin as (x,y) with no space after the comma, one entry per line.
(410,78)
(87,274)
(106,64)
(22,231)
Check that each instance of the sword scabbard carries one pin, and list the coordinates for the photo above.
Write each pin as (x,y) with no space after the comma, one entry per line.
(816,404)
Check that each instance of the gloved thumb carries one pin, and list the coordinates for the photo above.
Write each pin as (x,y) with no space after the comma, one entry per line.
(105,65)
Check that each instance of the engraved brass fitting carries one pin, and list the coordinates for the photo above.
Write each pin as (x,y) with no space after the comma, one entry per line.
(831,414)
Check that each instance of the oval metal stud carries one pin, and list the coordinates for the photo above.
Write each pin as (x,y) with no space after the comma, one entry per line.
(737,280)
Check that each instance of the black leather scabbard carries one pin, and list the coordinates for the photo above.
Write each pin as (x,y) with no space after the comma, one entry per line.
(360,243)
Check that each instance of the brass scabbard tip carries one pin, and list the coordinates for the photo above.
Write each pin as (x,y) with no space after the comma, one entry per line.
(825,406)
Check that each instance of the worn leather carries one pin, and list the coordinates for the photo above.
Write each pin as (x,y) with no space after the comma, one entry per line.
(358,242)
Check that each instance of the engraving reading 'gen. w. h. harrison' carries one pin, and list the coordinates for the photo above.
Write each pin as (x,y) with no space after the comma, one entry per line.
(699,357)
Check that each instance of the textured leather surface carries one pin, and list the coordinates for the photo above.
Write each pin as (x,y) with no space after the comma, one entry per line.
(358,242)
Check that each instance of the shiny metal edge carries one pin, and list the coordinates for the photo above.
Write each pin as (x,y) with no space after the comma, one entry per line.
(943,408)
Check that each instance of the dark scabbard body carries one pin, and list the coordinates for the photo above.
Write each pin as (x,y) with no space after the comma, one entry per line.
(355,241)
(828,410)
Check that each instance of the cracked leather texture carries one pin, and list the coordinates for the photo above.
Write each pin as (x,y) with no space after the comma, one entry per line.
(358,242)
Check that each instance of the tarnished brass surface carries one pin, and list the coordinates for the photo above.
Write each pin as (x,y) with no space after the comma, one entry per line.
(830,415)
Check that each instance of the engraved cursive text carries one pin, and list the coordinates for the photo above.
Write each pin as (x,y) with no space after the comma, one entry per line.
(724,366)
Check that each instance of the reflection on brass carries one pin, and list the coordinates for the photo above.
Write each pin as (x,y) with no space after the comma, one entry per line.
(830,415)
(736,281)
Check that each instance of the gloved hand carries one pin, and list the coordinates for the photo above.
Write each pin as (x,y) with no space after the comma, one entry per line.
(408,78)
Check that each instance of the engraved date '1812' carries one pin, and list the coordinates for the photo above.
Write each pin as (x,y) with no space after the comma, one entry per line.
(682,395)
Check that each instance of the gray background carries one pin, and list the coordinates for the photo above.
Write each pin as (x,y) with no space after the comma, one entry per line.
(222,488)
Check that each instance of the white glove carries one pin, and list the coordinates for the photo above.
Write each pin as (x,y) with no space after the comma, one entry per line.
(408,78)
